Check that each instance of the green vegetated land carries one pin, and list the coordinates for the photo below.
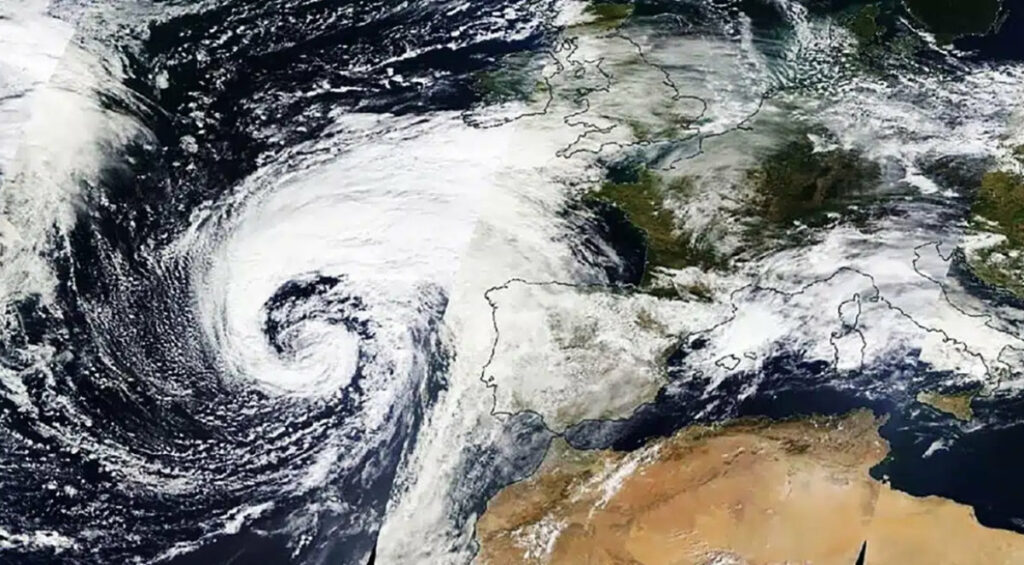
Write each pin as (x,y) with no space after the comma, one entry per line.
(790,184)
(864,24)
(797,183)
(948,19)
(643,200)
(608,15)
(884,45)
(1000,205)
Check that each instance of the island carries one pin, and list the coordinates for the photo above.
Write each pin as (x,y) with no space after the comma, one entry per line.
(957,405)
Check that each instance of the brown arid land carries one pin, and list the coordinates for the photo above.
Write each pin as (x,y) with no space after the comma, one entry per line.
(748,493)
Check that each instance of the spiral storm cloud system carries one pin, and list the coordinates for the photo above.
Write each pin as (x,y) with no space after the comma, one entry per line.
(446,281)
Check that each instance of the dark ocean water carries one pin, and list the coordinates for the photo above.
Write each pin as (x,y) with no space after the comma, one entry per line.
(1005,43)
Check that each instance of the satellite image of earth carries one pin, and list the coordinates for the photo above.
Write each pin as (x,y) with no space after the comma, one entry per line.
(581,282)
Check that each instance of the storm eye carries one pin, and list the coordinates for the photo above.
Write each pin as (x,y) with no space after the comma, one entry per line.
(304,312)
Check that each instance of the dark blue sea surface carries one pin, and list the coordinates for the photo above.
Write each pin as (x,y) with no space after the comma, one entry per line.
(1005,43)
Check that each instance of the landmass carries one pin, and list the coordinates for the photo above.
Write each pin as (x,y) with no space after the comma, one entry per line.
(573,353)
(608,15)
(864,23)
(643,199)
(797,181)
(750,492)
(958,405)
(999,210)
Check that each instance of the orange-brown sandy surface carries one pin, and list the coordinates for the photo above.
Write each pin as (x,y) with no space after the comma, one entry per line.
(748,493)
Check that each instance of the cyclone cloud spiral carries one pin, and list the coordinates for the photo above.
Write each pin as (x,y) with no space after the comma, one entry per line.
(225,342)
